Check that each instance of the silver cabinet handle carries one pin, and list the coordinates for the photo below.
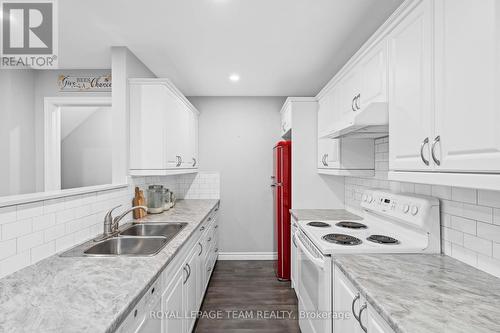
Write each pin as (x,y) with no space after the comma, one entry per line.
(194,162)
(363,308)
(201,249)
(433,154)
(352,306)
(187,274)
(424,143)
(216,250)
(216,226)
(352,103)
(293,241)
(209,239)
(356,103)
(179,161)
(326,159)
(202,228)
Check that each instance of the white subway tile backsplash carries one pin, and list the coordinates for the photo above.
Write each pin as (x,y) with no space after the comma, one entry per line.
(470,218)
(44,221)
(53,205)
(480,213)
(29,210)
(54,232)
(463,254)
(423,189)
(453,236)
(488,264)
(7,248)
(28,241)
(14,263)
(42,251)
(488,231)
(8,214)
(489,198)
(464,195)
(463,224)
(64,216)
(16,229)
(443,192)
(496,216)
(479,245)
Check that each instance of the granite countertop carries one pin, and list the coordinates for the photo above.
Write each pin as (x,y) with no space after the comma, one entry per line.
(426,293)
(323,215)
(90,294)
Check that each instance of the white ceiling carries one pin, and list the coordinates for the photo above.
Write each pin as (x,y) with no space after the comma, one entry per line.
(278,47)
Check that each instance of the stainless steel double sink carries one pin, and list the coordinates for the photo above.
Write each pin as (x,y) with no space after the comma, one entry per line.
(138,239)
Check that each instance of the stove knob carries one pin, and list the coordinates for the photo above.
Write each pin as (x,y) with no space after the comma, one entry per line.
(414,210)
(406,209)
(365,198)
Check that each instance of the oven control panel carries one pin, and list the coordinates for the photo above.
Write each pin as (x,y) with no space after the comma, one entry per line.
(411,208)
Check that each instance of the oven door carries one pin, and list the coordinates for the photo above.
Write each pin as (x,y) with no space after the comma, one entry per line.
(314,287)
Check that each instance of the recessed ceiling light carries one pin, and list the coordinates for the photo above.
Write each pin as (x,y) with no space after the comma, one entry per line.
(234,77)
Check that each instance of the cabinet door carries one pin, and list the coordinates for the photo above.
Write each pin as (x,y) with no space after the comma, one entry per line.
(329,153)
(147,126)
(175,133)
(191,299)
(152,323)
(343,297)
(350,87)
(410,90)
(373,71)
(468,85)
(326,113)
(173,304)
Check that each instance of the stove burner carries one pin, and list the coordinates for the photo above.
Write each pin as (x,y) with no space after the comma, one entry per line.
(381,239)
(318,224)
(351,225)
(342,239)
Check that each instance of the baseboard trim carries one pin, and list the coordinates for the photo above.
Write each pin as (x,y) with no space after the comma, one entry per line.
(247,256)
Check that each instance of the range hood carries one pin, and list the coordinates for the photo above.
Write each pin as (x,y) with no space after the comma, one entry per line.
(372,121)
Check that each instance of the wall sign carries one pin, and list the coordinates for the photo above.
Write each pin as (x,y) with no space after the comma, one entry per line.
(84,83)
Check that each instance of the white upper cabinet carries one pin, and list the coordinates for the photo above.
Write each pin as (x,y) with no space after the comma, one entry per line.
(410,90)
(467,131)
(373,76)
(163,129)
(444,116)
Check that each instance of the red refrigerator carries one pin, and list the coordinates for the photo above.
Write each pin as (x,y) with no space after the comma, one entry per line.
(282,190)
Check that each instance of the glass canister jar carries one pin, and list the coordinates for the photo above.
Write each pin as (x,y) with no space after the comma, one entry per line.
(155,199)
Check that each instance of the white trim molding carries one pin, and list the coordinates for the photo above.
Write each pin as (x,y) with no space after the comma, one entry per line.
(247,256)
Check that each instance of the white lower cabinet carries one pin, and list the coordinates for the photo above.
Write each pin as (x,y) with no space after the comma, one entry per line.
(359,316)
(171,303)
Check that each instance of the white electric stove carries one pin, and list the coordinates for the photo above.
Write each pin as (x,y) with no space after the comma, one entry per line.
(391,223)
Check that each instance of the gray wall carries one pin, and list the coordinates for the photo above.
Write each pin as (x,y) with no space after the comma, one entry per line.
(86,152)
(17,124)
(236,138)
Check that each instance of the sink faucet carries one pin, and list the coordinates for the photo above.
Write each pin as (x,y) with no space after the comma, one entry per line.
(111,224)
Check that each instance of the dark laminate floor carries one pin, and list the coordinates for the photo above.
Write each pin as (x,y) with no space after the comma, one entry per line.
(247,297)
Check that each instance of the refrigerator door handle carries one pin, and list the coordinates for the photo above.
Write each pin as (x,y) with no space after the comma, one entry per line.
(276,185)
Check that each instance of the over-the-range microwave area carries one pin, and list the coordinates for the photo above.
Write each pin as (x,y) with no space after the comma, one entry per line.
(250,166)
